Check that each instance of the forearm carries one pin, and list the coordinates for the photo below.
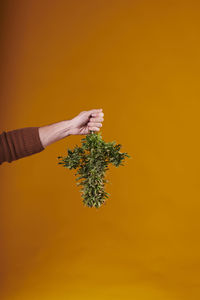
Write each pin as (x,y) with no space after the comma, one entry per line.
(54,132)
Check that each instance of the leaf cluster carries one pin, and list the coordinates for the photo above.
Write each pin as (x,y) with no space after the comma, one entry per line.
(91,161)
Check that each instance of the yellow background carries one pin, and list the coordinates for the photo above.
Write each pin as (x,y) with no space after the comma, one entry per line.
(140,62)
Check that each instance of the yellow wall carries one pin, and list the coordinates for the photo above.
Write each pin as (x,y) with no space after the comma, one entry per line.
(139,61)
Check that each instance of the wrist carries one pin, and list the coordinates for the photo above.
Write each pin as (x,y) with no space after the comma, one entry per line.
(64,128)
(54,132)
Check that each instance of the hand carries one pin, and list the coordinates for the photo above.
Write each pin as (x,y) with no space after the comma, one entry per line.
(86,121)
(81,124)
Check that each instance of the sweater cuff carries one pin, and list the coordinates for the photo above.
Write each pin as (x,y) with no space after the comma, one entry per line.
(32,142)
(20,143)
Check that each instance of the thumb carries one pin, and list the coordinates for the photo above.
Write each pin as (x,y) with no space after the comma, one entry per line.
(93,111)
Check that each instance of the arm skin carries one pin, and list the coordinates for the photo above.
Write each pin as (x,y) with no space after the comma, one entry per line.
(22,142)
(79,125)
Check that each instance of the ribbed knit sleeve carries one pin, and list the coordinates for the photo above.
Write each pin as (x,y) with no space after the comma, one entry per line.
(19,143)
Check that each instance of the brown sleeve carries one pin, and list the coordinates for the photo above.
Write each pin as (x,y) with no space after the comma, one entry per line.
(19,143)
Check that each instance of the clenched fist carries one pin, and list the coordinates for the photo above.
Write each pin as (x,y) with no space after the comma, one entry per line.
(87,121)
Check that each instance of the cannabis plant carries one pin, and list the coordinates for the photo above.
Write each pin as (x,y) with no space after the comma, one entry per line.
(91,161)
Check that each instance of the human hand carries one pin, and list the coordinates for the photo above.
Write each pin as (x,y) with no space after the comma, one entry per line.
(86,121)
(83,123)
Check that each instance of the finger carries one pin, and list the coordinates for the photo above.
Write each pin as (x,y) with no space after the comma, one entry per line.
(97,120)
(90,124)
(93,111)
(94,128)
(100,114)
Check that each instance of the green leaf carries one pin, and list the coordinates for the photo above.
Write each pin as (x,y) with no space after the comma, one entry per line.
(91,162)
